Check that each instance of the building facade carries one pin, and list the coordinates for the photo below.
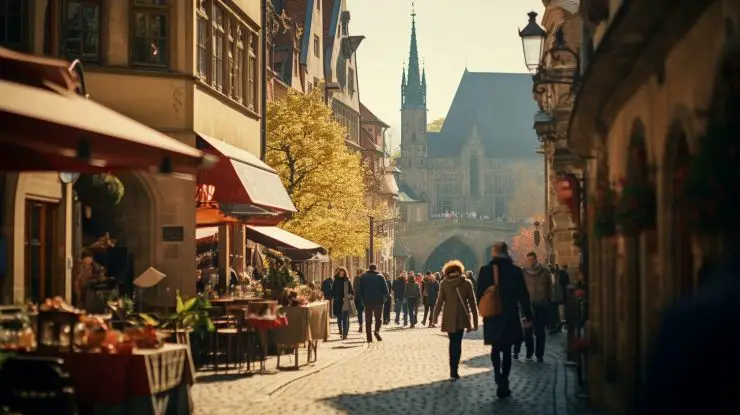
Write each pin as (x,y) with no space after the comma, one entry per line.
(642,123)
(190,69)
(473,166)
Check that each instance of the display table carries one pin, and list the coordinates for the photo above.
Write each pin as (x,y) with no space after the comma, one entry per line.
(308,325)
(148,381)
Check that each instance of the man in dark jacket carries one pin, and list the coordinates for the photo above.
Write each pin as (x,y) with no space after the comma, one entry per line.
(388,300)
(373,291)
(504,330)
(399,290)
(326,287)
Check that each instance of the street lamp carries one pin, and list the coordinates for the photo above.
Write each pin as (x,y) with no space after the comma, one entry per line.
(538,61)
(533,40)
(546,127)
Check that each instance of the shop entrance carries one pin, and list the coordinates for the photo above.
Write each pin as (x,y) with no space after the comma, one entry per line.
(40,234)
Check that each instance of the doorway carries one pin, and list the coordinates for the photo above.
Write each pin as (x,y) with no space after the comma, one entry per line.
(40,237)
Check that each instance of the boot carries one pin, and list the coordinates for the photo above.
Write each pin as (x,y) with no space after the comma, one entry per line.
(360,330)
(503,391)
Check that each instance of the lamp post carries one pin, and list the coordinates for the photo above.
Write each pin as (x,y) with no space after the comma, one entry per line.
(539,61)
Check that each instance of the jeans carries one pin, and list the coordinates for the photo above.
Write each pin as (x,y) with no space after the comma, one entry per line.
(343,323)
(373,310)
(387,311)
(401,306)
(537,329)
(501,359)
(413,305)
(427,309)
(455,350)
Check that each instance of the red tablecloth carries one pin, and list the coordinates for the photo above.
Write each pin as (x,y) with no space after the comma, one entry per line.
(112,379)
(267,323)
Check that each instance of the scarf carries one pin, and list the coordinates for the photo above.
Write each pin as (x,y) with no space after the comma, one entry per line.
(535,269)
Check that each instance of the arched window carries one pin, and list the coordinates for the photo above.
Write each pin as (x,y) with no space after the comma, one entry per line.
(474,176)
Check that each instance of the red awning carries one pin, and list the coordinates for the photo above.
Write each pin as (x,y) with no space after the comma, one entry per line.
(242,178)
(290,244)
(54,129)
(213,216)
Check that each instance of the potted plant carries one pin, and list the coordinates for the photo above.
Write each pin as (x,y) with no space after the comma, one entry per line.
(602,211)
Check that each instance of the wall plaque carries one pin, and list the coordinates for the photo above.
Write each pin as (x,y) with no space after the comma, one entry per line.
(173,234)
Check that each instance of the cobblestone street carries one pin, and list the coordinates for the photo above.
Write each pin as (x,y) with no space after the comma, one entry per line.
(406,373)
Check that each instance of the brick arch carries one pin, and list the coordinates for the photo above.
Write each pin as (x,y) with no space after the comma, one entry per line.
(452,248)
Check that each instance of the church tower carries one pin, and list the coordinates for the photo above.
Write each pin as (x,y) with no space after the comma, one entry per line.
(413,161)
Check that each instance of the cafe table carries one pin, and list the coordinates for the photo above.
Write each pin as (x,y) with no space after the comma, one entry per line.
(308,325)
(148,381)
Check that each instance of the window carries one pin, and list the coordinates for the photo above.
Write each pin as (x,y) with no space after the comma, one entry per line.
(81,25)
(351,80)
(202,41)
(227,53)
(238,66)
(474,176)
(218,47)
(13,24)
(150,33)
(252,93)
(316,49)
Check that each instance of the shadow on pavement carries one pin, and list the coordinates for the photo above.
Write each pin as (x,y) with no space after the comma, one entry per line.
(474,394)
(228,377)
(346,347)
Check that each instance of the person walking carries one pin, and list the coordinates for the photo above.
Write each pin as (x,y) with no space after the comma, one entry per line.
(399,299)
(472,279)
(373,291)
(388,300)
(358,301)
(428,305)
(457,303)
(342,295)
(558,299)
(326,289)
(504,330)
(433,296)
(539,285)
(412,294)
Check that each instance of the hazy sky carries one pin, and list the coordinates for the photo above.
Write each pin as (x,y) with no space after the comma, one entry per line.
(451,34)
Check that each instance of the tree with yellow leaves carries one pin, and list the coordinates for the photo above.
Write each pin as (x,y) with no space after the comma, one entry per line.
(325,180)
(436,125)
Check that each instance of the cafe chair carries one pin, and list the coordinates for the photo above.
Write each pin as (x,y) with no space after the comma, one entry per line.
(36,385)
(230,335)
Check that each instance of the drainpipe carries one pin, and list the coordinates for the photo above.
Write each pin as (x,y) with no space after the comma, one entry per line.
(263,76)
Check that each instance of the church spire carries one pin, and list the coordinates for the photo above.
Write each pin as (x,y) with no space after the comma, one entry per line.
(413,93)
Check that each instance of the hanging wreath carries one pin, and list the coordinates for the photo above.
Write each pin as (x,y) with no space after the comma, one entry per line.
(713,180)
(602,211)
(636,208)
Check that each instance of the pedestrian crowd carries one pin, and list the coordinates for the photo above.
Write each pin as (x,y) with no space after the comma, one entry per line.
(518,305)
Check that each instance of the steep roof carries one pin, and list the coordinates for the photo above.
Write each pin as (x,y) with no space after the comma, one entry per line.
(367,116)
(499,106)
(406,194)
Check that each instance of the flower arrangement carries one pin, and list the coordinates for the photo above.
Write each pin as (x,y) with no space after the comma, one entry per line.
(310,293)
(601,212)
(636,209)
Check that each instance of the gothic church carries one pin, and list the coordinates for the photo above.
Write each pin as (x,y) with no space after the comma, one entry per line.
(486,143)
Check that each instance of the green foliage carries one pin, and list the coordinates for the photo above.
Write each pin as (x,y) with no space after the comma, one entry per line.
(190,314)
(99,189)
(277,280)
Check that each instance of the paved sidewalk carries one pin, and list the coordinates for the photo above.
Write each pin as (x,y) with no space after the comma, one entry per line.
(404,374)
(213,391)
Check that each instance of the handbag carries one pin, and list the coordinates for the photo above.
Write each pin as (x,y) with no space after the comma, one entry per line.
(349,300)
(490,302)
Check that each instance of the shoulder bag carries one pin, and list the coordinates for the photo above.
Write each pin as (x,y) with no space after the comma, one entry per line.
(349,300)
(490,302)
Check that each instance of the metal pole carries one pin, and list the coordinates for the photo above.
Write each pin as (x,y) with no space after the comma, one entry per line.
(263,78)
(371,254)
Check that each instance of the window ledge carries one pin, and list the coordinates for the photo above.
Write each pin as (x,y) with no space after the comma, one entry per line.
(203,86)
(128,70)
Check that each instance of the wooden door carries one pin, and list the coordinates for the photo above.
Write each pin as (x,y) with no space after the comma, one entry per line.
(40,237)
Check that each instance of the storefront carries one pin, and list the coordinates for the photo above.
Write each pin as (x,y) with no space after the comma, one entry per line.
(47,126)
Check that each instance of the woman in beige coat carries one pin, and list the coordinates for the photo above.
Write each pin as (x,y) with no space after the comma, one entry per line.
(457,302)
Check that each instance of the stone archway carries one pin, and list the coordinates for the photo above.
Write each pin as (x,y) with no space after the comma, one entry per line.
(452,248)
(134,217)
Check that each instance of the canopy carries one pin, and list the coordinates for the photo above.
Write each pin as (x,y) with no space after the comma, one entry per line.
(242,178)
(291,245)
(47,126)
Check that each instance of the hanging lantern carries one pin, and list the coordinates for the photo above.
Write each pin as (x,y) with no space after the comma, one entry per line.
(537,234)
